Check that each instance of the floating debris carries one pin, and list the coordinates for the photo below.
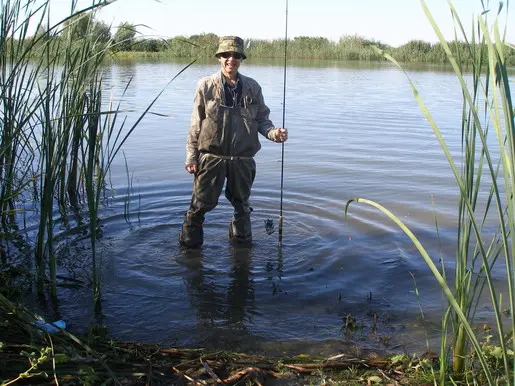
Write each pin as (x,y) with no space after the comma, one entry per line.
(269,226)
(51,328)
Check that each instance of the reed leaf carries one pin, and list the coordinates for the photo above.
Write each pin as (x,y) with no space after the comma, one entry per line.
(438,276)
(492,92)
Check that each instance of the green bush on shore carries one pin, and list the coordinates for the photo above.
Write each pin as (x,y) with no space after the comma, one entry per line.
(348,47)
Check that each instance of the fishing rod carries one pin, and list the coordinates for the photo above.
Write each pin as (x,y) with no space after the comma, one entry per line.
(284,115)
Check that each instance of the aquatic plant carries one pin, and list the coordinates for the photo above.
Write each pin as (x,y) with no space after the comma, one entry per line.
(50,96)
(347,47)
(58,133)
(487,110)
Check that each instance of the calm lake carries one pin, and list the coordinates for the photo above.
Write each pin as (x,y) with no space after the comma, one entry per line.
(355,131)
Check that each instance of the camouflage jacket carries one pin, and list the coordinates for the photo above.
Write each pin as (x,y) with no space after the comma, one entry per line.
(227,131)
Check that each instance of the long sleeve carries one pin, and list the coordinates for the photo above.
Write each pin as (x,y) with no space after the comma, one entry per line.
(197,117)
(265,125)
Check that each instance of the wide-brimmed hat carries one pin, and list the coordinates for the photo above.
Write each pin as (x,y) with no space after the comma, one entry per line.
(230,44)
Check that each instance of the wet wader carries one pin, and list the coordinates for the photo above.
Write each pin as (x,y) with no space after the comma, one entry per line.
(238,171)
(208,185)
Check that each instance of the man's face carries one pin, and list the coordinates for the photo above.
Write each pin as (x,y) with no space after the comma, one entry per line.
(230,62)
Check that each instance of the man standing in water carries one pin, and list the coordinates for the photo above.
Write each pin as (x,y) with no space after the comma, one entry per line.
(229,111)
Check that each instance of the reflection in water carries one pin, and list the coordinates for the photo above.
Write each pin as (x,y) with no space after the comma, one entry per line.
(276,266)
(223,303)
(202,292)
(240,293)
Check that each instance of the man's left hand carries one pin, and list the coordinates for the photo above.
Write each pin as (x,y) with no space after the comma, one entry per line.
(280,135)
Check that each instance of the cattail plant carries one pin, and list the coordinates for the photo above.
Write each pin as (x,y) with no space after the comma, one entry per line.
(51,96)
(487,110)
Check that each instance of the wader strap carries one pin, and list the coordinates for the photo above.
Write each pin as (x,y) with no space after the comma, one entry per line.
(226,157)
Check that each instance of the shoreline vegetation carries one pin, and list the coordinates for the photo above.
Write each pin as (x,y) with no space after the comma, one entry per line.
(347,48)
(58,140)
(127,42)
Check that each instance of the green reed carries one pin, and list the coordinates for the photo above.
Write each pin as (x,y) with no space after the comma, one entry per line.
(487,110)
(70,104)
(18,110)
(80,137)
(51,139)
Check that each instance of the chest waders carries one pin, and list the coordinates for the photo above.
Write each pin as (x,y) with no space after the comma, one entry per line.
(213,170)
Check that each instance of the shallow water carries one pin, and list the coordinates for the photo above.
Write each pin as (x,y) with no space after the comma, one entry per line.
(355,131)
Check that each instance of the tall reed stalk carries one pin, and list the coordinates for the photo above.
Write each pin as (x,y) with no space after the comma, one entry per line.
(71,66)
(18,109)
(51,103)
(485,178)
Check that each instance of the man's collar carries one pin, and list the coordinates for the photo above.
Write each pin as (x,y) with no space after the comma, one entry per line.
(224,78)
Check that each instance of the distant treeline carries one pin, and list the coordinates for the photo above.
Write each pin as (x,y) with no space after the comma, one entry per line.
(349,47)
(346,48)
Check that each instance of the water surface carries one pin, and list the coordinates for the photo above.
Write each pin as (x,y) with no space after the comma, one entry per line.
(355,131)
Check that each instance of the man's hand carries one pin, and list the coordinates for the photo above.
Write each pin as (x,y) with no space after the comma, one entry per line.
(280,134)
(191,168)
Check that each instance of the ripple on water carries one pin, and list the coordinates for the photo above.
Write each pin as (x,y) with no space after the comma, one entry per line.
(325,270)
(360,135)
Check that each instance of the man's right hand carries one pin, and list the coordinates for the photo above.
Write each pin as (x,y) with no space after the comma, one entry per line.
(191,168)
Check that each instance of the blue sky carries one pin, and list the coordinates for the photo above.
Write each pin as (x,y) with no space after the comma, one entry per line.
(394,22)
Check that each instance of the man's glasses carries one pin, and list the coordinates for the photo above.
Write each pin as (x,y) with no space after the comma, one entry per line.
(235,55)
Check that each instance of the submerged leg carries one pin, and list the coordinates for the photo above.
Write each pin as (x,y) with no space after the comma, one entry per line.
(192,232)
(207,187)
